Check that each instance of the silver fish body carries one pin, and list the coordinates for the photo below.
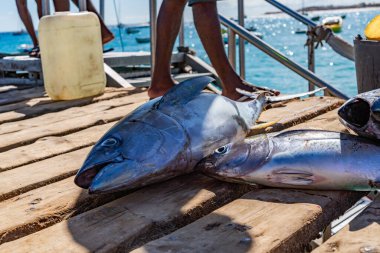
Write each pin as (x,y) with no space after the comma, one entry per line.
(306,159)
(361,114)
(166,137)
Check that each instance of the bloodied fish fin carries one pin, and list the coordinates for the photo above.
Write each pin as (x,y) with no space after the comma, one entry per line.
(184,91)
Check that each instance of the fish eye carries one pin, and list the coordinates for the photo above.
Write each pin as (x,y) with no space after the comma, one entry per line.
(222,150)
(110,142)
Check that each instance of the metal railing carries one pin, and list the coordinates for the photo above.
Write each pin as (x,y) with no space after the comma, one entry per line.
(236,29)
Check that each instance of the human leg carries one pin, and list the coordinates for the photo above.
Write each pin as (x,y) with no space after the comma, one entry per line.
(27,20)
(61,5)
(168,25)
(39,8)
(107,35)
(208,27)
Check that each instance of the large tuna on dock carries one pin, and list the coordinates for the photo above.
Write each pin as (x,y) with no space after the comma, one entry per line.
(306,159)
(166,137)
(361,114)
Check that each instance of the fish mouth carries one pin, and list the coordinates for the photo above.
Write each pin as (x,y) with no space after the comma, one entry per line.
(87,173)
(375,110)
(355,112)
(126,175)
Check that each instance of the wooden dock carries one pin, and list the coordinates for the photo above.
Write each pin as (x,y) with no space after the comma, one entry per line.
(43,144)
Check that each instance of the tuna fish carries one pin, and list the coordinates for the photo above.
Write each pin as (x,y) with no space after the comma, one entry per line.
(166,137)
(361,114)
(306,159)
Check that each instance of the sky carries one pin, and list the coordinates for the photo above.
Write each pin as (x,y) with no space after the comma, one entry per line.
(136,11)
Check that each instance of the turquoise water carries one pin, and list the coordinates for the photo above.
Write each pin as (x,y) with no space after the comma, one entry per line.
(278,31)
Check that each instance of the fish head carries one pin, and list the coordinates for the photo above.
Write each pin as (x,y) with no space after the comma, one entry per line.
(232,162)
(375,110)
(355,112)
(361,114)
(134,153)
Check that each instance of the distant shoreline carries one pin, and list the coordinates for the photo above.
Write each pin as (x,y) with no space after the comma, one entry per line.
(330,7)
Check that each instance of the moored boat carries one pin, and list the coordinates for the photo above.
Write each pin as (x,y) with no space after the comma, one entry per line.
(334,23)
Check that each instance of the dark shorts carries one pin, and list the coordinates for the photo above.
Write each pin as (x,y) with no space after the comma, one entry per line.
(191,2)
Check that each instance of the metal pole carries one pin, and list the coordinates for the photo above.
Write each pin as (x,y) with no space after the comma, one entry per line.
(232,47)
(241,40)
(153,21)
(182,34)
(311,57)
(45,7)
(101,8)
(278,56)
(82,5)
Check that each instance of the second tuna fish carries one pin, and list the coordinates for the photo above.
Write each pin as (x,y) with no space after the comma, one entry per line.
(307,159)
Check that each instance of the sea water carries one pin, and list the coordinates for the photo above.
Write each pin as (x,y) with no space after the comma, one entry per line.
(279,32)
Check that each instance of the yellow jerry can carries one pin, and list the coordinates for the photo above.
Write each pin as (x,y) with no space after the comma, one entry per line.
(71,55)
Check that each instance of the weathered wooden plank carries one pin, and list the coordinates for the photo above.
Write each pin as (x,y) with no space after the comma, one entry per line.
(72,124)
(6,88)
(180,200)
(14,96)
(31,176)
(38,106)
(51,146)
(70,113)
(117,59)
(44,206)
(327,121)
(361,235)
(21,81)
(94,222)
(268,220)
(114,79)
(20,63)
(296,112)
(34,102)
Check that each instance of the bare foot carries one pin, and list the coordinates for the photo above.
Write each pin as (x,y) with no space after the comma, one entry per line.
(107,38)
(156,90)
(231,93)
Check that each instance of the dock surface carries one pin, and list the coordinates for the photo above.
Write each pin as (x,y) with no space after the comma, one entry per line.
(43,144)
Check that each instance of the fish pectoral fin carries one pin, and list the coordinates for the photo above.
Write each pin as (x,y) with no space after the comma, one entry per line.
(293,177)
(262,126)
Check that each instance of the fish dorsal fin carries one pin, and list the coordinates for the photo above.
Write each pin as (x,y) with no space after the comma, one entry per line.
(184,91)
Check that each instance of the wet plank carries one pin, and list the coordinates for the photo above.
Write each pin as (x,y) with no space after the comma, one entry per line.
(360,235)
(101,115)
(267,220)
(181,200)
(38,106)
